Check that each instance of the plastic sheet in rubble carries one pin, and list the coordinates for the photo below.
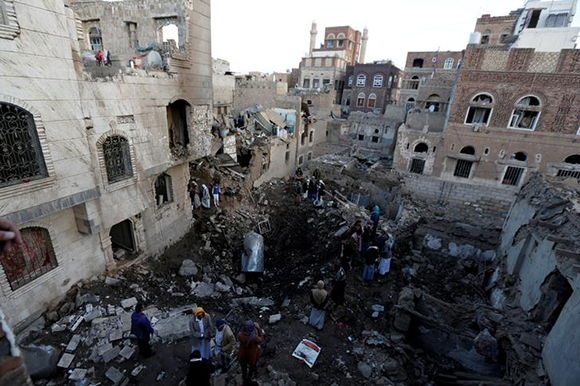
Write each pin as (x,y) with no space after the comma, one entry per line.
(253,256)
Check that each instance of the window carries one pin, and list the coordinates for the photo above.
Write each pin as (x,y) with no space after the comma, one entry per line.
(341,43)
(287,157)
(414,83)
(350,45)
(325,82)
(372,100)
(330,37)
(163,189)
(360,100)
(169,34)
(329,44)
(448,63)
(469,150)
(485,37)
(417,166)
(513,176)
(361,81)
(95,39)
(132,27)
(300,160)
(31,260)
(177,122)
(421,147)
(306,83)
(410,103)
(375,139)
(378,81)
(361,137)
(533,17)
(311,137)
(526,114)
(418,63)
(480,109)
(21,157)
(390,84)
(309,157)
(347,101)
(350,81)
(316,83)
(574,162)
(557,20)
(117,156)
(433,103)
(519,156)
(463,168)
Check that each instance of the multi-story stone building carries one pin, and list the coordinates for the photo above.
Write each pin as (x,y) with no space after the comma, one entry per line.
(96,141)
(370,87)
(224,85)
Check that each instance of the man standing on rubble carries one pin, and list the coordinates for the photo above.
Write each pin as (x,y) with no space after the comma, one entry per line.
(319,298)
(375,216)
(201,329)
(250,339)
(216,194)
(141,328)
(225,342)
(338,286)
(371,255)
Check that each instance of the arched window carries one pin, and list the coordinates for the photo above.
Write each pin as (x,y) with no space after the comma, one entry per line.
(340,38)
(433,103)
(31,260)
(573,159)
(361,81)
(311,137)
(21,157)
(485,36)
(504,35)
(95,39)
(390,84)
(163,189)
(360,100)
(421,147)
(117,155)
(414,83)
(448,64)
(480,109)
(170,35)
(418,63)
(519,156)
(177,113)
(330,37)
(410,103)
(468,150)
(306,83)
(372,101)
(526,113)
(378,81)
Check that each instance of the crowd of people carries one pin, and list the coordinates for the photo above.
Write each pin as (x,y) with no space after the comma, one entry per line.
(200,196)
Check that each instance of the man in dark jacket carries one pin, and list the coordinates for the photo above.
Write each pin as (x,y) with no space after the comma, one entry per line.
(199,371)
(141,328)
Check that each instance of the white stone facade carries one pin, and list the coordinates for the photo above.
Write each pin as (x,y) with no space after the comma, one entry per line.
(74,114)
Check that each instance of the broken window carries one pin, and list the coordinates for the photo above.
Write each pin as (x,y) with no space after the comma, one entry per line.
(480,110)
(372,100)
(163,189)
(448,64)
(309,156)
(414,83)
(418,63)
(117,155)
(169,35)
(133,42)
(567,173)
(417,166)
(32,259)
(526,114)
(177,113)
(421,147)
(533,17)
(433,103)
(122,238)
(95,39)
(378,81)
(361,81)
(557,20)
(325,82)
(287,159)
(361,137)
(485,37)
(463,168)
(306,83)
(316,83)
(519,156)
(341,43)
(360,100)
(21,157)
(300,160)
(513,176)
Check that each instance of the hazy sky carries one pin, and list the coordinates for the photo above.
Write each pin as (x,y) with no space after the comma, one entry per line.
(273,35)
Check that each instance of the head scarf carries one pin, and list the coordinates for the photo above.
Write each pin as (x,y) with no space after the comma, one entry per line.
(249,330)
(198,311)
(219,323)
(319,294)
(320,284)
(376,209)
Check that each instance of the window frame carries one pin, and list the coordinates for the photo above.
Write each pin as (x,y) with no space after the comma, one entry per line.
(102,163)
(168,189)
(448,64)
(351,83)
(521,108)
(372,97)
(100,37)
(480,105)
(462,166)
(358,99)
(378,81)
(361,80)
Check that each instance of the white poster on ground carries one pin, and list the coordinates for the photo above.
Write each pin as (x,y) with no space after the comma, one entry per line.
(307,351)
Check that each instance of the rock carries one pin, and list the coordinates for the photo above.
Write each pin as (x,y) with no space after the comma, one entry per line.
(40,360)
(375,315)
(241,278)
(94,314)
(286,303)
(365,369)
(137,370)
(390,367)
(275,318)
(203,290)
(116,335)
(78,375)
(112,281)
(65,360)
(114,375)
(111,354)
(73,343)
(188,268)
(52,316)
(222,287)
(127,303)
(227,280)
(66,308)
(378,308)
(57,328)
(254,301)
(127,352)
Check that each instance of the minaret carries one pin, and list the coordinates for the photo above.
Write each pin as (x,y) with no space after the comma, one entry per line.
(363,49)
(313,33)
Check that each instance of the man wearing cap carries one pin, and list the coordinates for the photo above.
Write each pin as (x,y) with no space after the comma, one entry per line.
(225,342)
(201,329)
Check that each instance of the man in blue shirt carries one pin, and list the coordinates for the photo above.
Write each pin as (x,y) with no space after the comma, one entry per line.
(141,328)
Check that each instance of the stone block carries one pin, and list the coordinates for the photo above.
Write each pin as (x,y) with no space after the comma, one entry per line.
(127,303)
(78,375)
(275,318)
(188,268)
(111,354)
(114,375)
(40,360)
(73,343)
(127,352)
(65,360)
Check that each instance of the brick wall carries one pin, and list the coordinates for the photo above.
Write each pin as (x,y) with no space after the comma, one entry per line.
(492,201)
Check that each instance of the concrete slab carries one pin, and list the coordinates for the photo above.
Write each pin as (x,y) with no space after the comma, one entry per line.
(65,360)
(114,375)
(73,343)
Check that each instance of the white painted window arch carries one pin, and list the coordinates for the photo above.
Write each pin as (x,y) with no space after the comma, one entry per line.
(361,80)
(378,81)
(526,113)
(360,99)
(448,63)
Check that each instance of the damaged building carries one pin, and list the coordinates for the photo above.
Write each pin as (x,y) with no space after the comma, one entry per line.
(95,166)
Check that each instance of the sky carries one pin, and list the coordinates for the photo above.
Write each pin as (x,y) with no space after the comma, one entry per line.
(273,35)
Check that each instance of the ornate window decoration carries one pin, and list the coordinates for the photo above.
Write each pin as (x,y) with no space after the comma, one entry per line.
(361,81)
(9,27)
(31,260)
(480,110)
(117,155)
(21,155)
(163,190)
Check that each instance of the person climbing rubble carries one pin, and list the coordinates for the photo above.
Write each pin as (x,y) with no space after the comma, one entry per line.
(319,299)
(141,328)
(201,328)
(225,342)
(366,237)
(194,195)
(312,189)
(250,338)
(299,175)
(298,192)
(371,256)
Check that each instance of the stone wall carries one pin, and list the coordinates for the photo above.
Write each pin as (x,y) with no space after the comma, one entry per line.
(257,92)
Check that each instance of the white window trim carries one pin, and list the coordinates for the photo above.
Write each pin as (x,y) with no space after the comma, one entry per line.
(372,96)
(378,81)
(475,104)
(361,81)
(448,65)
(578,132)
(522,129)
